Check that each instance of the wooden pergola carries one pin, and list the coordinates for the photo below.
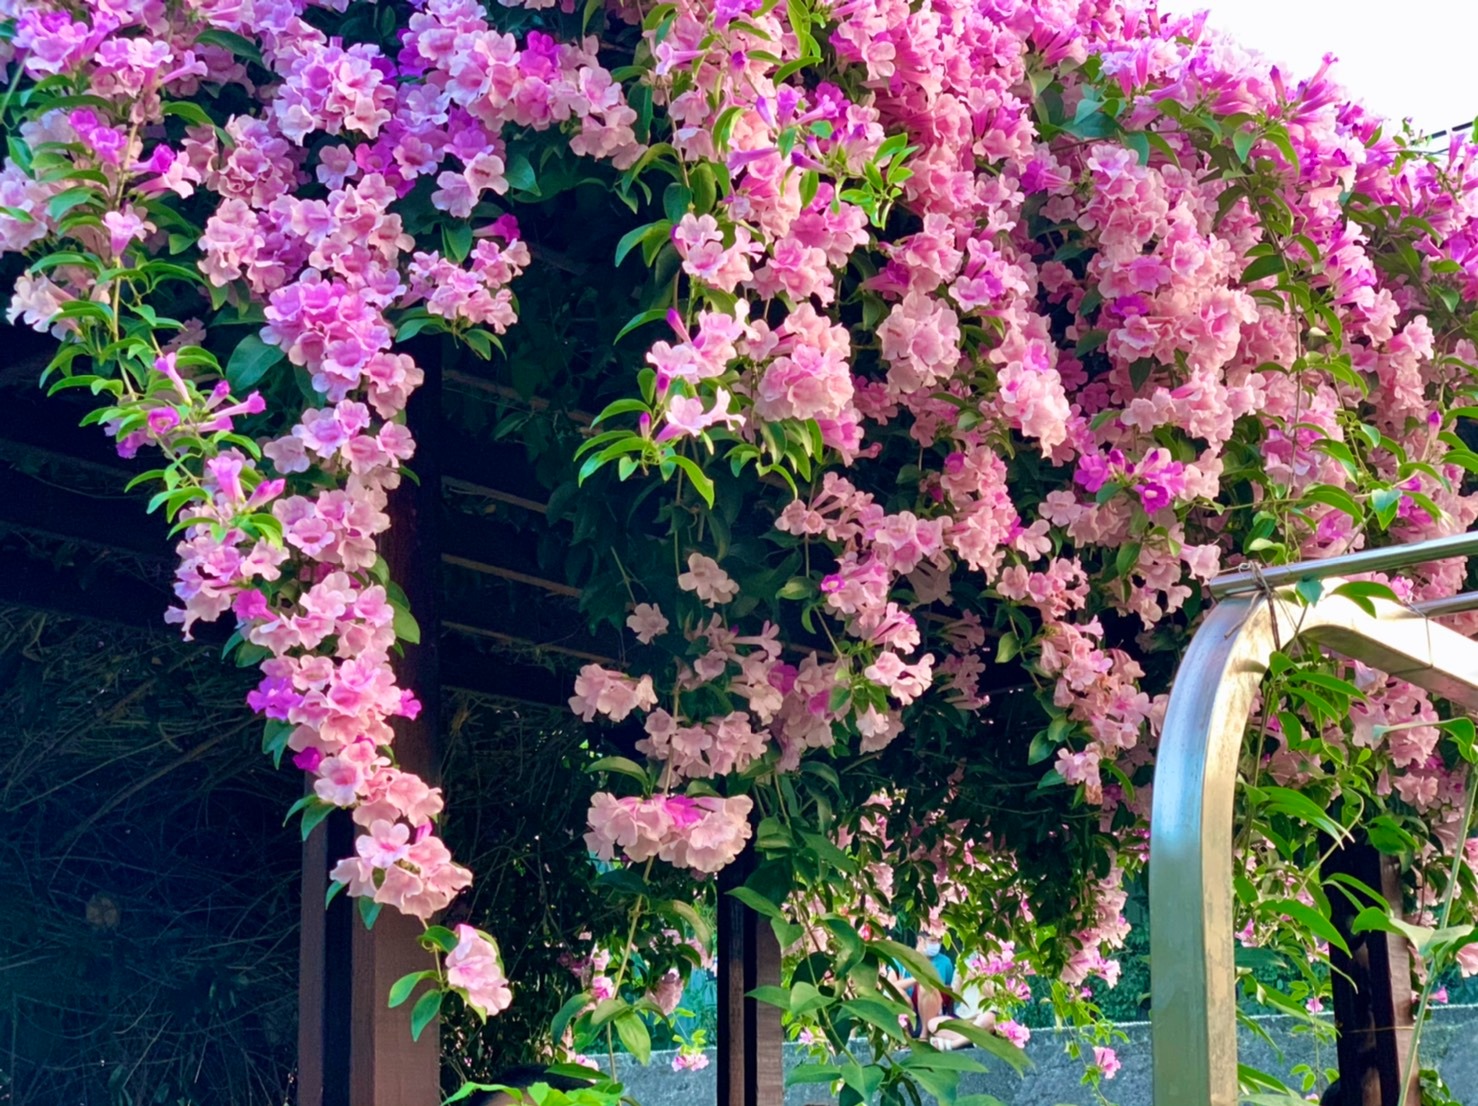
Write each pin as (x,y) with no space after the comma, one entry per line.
(63,484)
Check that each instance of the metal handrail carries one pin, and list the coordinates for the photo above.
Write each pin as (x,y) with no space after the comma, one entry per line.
(1453,604)
(1193,988)
(1248,578)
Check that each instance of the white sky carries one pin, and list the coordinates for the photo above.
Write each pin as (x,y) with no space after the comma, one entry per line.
(1400,58)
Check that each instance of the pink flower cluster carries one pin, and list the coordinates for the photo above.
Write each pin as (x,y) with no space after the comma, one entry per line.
(478,294)
(475,970)
(703,834)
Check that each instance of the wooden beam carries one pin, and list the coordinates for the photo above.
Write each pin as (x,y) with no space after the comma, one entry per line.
(390,1069)
(750,1037)
(353,1049)
(1372,989)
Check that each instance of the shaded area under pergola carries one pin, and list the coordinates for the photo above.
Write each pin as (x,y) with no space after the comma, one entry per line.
(463,544)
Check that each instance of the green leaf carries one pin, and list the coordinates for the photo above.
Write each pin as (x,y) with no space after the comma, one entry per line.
(701,930)
(1311,919)
(191,113)
(852,946)
(632,238)
(240,46)
(675,201)
(620,407)
(275,735)
(1127,558)
(520,175)
(1007,647)
(1242,143)
(919,966)
(654,315)
(771,995)
(797,587)
(987,1041)
(633,1033)
(1363,591)
(369,911)
(456,240)
(1298,806)
(424,1013)
(405,986)
(701,482)
(803,1074)
(1089,342)
(805,997)
(1263,267)
(440,937)
(1278,136)
(406,627)
(1309,589)
(467,1090)
(64,202)
(757,902)
(1335,497)
(573,1005)
(923,1056)
(829,853)
(623,765)
(943,1085)
(879,1014)
(863,1080)
(250,361)
(1379,918)
(313,814)
(1385,502)
(606,1010)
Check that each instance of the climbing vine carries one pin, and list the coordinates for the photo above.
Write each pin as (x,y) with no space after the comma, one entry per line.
(959,348)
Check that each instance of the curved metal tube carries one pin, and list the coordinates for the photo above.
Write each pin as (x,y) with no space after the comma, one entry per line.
(1193,1011)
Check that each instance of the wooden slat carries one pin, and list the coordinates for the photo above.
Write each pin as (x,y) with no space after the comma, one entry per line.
(353,1050)
(1372,989)
(750,1037)
(389,1068)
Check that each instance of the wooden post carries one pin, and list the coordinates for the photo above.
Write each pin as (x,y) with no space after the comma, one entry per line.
(1372,989)
(353,1049)
(750,1038)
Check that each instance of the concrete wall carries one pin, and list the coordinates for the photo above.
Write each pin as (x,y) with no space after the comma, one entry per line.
(1450,1042)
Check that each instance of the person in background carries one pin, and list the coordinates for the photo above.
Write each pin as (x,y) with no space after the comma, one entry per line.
(930,1005)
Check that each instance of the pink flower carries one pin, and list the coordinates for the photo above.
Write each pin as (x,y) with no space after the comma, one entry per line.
(668,992)
(385,843)
(1014,1032)
(603,691)
(475,971)
(1107,1060)
(704,576)
(647,622)
(687,417)
(124,227)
